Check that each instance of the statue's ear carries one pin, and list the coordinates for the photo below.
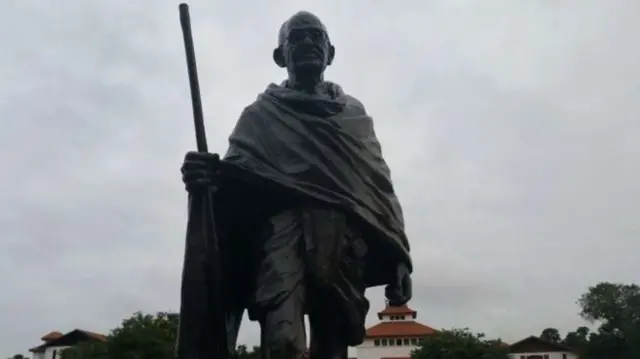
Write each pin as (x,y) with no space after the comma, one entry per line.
(278,57)
(332,54)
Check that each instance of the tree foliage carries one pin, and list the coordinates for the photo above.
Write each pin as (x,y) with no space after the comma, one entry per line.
(551,335)
(18,356)
(617,305)
(616,308)
(577,339)
(613,308)
(142,336)
(145,336)
(459,344)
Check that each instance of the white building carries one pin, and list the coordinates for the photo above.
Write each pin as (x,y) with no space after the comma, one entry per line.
(56,342)
(537,348)
(395,336)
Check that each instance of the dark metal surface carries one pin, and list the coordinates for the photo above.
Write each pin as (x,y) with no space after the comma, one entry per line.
(307,214)
(203,330)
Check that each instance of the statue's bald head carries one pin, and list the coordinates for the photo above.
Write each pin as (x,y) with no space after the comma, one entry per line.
(300,20)
(303,44)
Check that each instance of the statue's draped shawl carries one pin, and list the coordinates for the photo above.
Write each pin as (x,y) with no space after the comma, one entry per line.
(322,148)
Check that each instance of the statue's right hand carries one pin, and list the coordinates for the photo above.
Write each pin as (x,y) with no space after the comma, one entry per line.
(200,170)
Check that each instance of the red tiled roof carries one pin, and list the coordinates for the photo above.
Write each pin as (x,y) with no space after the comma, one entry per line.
(73,335)
(525,345)
(398,329)
(96,336)
(51,336)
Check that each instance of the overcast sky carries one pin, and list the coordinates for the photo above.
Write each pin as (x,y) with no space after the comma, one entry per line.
(510,127)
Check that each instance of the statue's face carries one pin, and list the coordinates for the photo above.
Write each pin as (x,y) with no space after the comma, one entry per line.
(305,44)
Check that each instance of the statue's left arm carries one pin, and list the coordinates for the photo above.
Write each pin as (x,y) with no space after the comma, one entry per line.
(399,267)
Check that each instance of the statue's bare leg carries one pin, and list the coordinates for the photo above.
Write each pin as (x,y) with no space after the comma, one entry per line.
(283,332)
(327,337)
(281,290)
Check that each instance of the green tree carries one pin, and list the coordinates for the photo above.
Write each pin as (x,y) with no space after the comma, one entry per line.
(617,308)
(577,339)
(551,335)
(18,356)
(144,336)
(617,305)
(605,344)
(460,344)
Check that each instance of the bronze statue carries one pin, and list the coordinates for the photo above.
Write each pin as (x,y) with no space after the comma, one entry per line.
(305,208)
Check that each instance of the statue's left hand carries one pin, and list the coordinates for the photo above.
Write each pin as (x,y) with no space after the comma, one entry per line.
(401,291)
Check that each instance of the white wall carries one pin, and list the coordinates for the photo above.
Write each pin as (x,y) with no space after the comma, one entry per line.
(367,350)
(552,355)
(395,318)
(48,353)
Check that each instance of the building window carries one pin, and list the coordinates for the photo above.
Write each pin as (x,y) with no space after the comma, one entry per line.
(53,356)
(414,341)
(376,342)
(546,356)
(564,356)
(523,357)
(392,342)
(383,342)
(407,342)
(399,342)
